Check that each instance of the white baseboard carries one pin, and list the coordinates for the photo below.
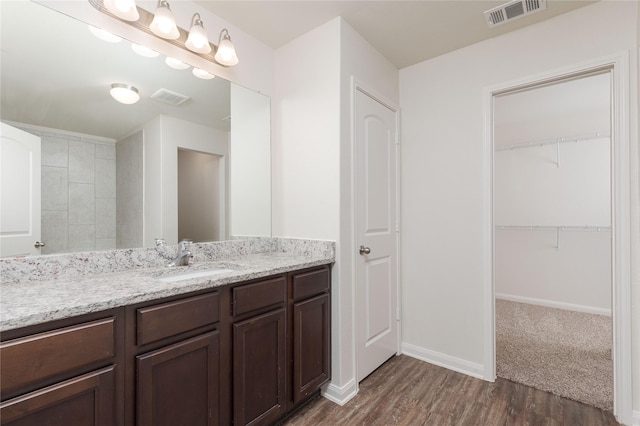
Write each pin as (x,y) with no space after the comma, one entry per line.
(554,304)
(340,394)
(447,361)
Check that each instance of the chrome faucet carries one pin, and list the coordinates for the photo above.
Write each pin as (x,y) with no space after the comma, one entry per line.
(184,256)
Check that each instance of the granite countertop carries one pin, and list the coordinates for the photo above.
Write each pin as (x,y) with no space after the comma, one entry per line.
(33,302)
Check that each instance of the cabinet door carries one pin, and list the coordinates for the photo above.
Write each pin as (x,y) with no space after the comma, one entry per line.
(259,360)
(179,384)
(311,345)
(87,400)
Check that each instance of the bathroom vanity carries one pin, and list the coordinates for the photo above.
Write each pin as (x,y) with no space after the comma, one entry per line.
(238,347)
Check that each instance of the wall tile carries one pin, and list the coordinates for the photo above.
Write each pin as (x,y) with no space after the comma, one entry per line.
(55,194)
(81,237)
(106,218)
(54,151)
(82,204)
(105,243)
(105,178)
(81,162)
(107,152)
(55,230)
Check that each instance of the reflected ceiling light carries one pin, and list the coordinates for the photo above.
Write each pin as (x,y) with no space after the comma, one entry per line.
(144,51)
(197,41)
(164,24)
(123,9)
(176,63)
(226,53)
(202,74)
(104,35)
(124,93)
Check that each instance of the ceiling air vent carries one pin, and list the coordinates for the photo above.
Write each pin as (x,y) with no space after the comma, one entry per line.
(513,10)
(169,97)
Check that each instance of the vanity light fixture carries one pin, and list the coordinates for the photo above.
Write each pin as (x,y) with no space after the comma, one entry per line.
(200,73)
(197,41)
(124,93)
(226,53)
(176,63)
(104,35)
(123,9)
(144,51)
(164,24)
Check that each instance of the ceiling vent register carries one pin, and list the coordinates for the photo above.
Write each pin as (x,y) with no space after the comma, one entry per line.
(169,97)
(513,10)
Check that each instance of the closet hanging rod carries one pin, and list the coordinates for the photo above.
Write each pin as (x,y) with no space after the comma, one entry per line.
(549,141)
(589,228)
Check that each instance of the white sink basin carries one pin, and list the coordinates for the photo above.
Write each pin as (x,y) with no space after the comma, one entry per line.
(195,274)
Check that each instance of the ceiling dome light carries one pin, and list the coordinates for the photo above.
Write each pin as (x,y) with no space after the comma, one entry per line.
(202,74)
(104,35)
(123,9)
(176,63)
(124,93)
(144,51)
(226,53)
(197,41)
(164,24)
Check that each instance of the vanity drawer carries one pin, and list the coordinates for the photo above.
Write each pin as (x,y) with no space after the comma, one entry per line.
(29,359)
(169,319)
(310,283)
(251,297)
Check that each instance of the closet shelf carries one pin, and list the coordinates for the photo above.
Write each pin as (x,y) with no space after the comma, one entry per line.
(550,141)
(556,229)
(587,228)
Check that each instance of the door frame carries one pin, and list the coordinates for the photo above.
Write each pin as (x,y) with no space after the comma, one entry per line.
(360,86)
(618,65)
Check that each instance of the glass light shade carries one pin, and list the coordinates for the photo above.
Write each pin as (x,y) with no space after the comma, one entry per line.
(104,35)
(124,93)
(198,41)
(144,51)
(226,53)
(123,9)
(202,74)
(164,24)
(176,63)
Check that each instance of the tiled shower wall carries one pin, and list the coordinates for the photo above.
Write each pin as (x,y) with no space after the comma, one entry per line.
(78,192)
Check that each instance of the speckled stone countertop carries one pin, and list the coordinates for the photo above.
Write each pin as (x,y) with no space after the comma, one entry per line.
(30,302)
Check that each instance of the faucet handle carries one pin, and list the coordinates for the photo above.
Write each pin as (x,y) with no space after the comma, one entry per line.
(160,242)
(184,244)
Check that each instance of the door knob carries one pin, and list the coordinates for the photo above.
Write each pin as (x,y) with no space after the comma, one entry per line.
(364,250)
(39,244)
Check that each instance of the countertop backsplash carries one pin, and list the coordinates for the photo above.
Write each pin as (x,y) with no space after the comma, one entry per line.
(71,265)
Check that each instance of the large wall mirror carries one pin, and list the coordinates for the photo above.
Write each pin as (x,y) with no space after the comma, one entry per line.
(190,159)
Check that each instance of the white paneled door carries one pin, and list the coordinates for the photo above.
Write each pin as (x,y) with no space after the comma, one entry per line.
(376,233)
(19,192)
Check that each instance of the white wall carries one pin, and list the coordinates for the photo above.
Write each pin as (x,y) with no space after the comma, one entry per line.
(250,164)
(163,136)
(442,157)
(311,153)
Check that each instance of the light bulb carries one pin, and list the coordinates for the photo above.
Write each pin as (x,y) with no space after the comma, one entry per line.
(197,41)
(226,53)
(123,9)
(164,24)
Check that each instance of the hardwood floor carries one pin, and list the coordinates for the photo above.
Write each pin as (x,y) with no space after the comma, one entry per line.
(407,391)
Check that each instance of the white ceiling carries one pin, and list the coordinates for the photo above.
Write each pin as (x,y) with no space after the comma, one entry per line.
(405,32)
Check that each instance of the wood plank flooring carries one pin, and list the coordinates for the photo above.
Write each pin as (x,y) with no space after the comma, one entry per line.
(407,391)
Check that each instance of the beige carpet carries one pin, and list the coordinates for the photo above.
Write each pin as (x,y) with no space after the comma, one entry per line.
(563,352)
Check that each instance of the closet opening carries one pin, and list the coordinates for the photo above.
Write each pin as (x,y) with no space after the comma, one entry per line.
(552,236)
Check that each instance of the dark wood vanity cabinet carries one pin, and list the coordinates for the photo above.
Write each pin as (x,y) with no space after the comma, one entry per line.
(259,351)
(241,354)
(64,372)
(174,362)
(311,332)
